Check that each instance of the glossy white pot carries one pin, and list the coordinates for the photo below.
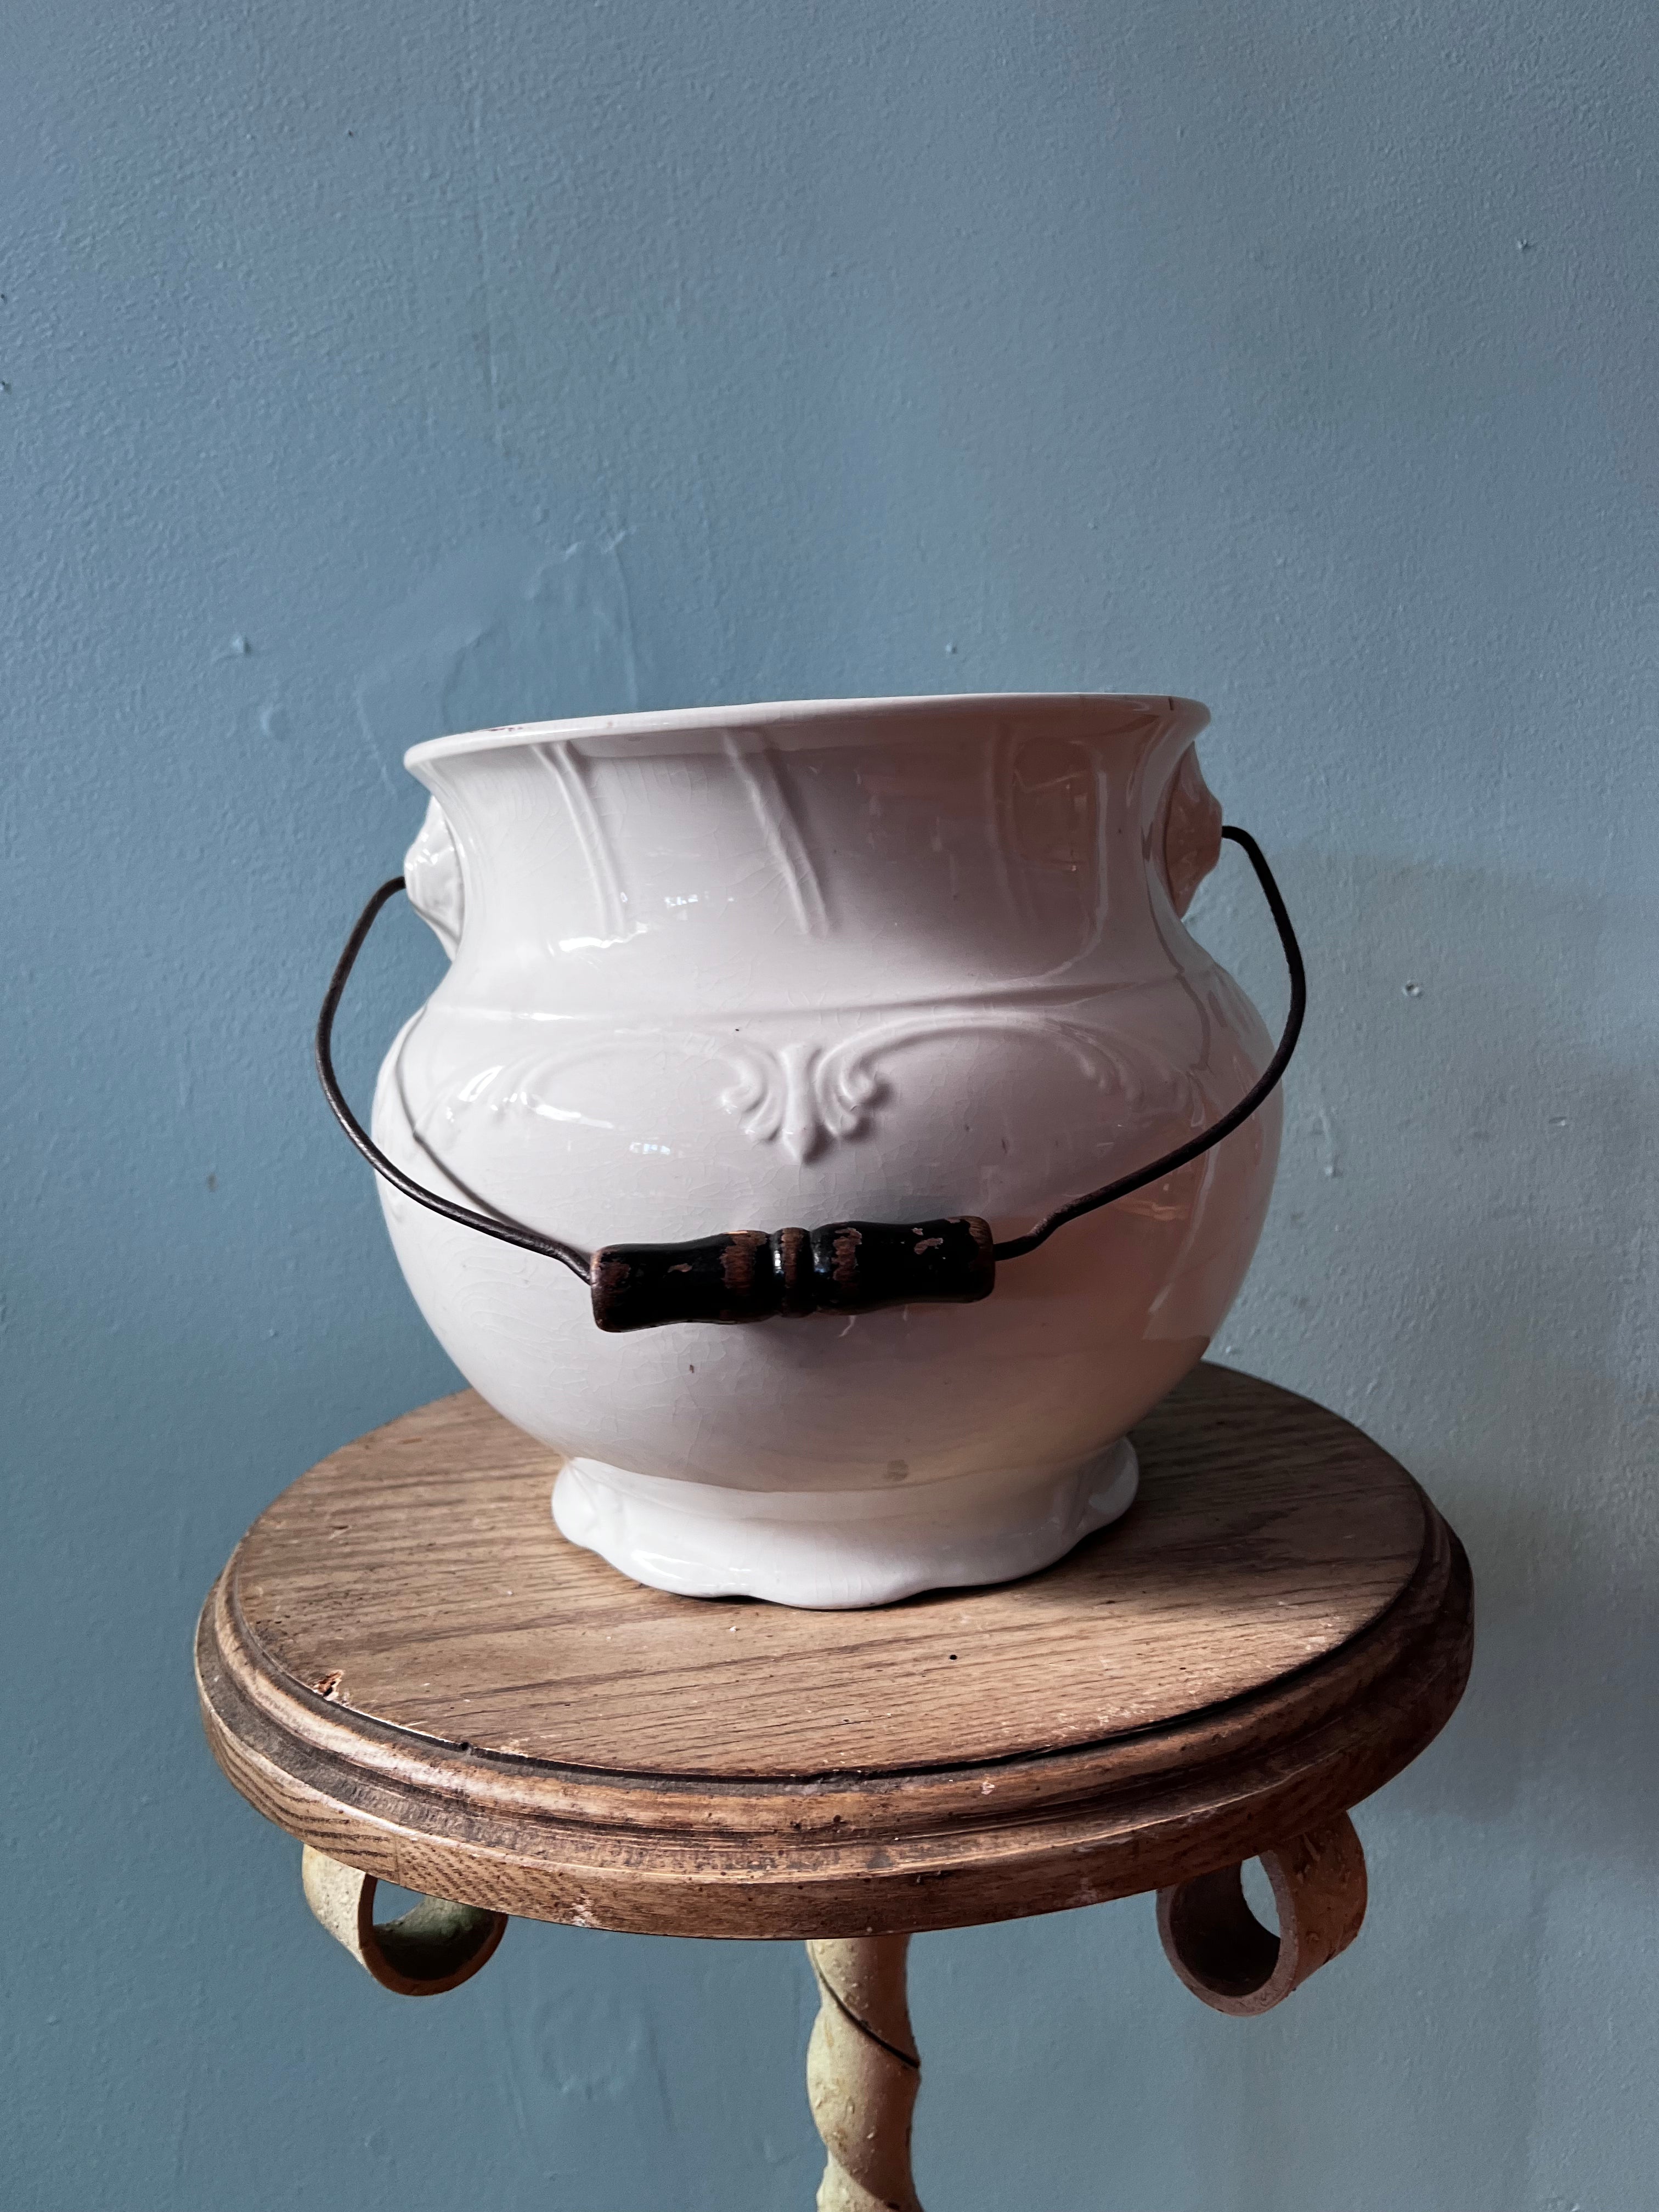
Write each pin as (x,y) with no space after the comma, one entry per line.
(890,959)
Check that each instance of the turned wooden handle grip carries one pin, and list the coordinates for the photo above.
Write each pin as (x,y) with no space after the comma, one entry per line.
(1224,1953)
(434,1947)
(845,1267)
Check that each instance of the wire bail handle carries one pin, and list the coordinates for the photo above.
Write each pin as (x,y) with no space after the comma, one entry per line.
(845,1267)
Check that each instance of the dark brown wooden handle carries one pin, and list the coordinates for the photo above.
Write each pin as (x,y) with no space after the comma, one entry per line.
(1224,1953)
(846,1268)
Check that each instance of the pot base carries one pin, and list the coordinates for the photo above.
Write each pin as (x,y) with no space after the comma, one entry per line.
(836,1549)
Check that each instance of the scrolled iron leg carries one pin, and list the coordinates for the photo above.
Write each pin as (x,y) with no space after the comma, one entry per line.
(434,1946)
(862,2073)
(1229,1960)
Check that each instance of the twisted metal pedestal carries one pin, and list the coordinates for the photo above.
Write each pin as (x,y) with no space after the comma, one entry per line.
(407,1669)
(862,2073)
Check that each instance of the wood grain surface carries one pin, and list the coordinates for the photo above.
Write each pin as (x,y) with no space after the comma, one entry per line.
(406,1665)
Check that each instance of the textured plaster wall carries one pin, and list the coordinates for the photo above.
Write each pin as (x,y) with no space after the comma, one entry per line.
(368,373)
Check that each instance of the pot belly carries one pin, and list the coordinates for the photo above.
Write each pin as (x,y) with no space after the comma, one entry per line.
(836,1459)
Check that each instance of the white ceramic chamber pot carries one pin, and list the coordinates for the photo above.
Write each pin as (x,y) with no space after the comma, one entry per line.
(879,960)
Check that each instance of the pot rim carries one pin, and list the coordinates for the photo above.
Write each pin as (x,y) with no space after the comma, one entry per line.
(1133,709)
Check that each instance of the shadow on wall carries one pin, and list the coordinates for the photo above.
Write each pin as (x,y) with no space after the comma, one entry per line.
(1453,1259)
(506,631)
(1451,1262)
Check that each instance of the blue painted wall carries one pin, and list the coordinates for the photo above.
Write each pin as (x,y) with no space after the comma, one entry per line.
(372,373)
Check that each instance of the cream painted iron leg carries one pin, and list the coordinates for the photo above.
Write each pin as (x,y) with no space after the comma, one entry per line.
(434,1947)
(862,2073)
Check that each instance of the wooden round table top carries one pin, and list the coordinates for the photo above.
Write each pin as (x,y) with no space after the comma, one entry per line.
(407,1666)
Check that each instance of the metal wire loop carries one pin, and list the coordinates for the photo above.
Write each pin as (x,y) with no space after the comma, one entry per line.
(1013,1248)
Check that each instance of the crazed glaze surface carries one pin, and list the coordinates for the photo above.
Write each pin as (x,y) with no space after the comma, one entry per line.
(735,969)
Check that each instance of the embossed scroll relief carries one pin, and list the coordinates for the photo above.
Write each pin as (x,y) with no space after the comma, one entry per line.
(899,960)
